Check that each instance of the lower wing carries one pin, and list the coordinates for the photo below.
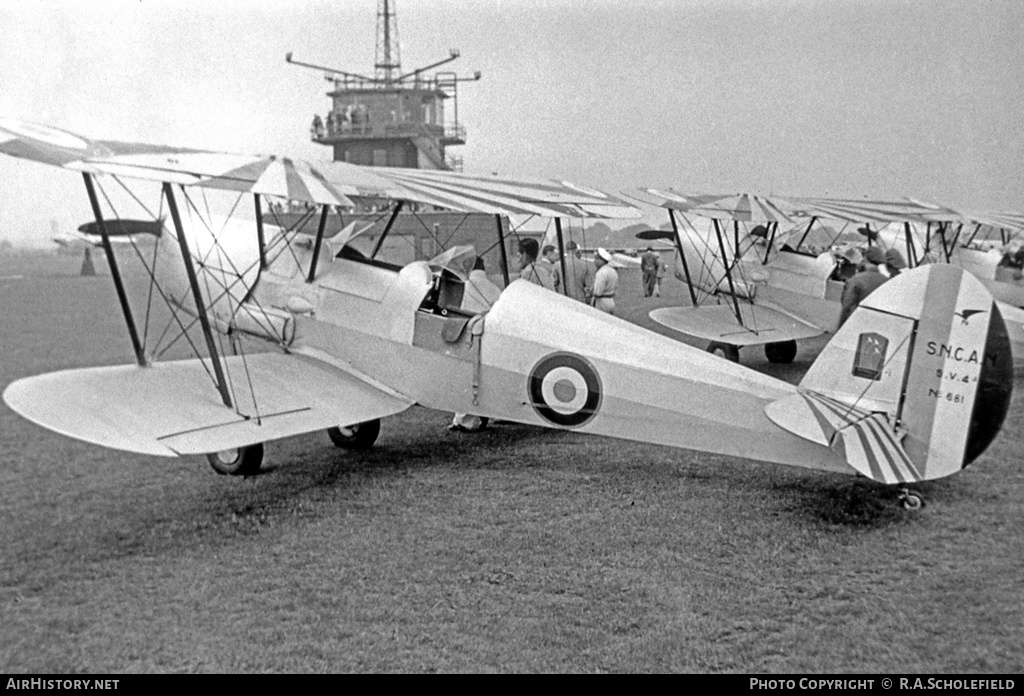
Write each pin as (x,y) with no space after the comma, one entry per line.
(171,408)
(718,323)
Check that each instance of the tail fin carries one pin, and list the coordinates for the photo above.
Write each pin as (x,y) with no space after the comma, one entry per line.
(915,385)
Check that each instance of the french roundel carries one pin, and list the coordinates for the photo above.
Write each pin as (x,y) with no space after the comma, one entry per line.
(565,389)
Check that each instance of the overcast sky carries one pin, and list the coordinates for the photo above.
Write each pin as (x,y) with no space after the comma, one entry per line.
(846,98)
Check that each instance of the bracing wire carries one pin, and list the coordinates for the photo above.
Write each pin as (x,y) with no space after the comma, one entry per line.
(150,271)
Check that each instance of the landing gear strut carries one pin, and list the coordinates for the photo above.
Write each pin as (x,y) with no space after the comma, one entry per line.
(240,461)
(724,350)
(911,500)
(360,436)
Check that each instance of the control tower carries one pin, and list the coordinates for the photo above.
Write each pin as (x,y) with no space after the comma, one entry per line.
(395,118)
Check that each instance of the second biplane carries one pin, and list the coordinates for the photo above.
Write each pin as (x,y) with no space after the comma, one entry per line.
(767,271)
(914,387)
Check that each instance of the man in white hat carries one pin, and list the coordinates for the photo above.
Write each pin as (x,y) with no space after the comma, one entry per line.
(606,282)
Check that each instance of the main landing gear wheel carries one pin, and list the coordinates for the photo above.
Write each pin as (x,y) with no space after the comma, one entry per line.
(911,500)
(241,461)
(782,352)
(724,350)
(356,437)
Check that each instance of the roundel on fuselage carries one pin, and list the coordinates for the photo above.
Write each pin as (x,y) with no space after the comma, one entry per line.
(565,390)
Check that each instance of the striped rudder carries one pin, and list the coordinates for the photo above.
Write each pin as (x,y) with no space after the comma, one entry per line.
(915,385)
(866,439)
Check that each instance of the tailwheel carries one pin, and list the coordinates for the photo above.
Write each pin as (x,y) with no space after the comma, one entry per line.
(781,352)
(911,500)
(240,461)
(358,437)
(724,350)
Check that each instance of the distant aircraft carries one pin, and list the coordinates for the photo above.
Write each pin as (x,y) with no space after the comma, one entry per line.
(769,272)
(905,392)
(121,232)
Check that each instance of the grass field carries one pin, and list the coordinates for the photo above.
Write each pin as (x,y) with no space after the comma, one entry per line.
(517,549)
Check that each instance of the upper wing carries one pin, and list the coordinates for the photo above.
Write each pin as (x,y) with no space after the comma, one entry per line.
(743,207)
(871,210)
(718,323)
(747,207)
(171,408)
(494,194)
(321,183)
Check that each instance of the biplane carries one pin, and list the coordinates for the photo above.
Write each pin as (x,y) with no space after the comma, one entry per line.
(770,271)
(121,232)
(295,333)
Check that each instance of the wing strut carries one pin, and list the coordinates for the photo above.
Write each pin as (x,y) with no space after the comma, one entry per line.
(682,257)
(977,228)
(912,259)
(810,224)
(728,270)
(319,243)
(501,245)
(956,238)
(561,254)
(771,240)
(122,296)
(259,232)
(222,385)
(387,228)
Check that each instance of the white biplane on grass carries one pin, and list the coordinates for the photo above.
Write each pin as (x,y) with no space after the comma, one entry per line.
(914,387)
(766,271)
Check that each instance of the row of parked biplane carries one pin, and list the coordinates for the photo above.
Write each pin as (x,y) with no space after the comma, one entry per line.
(297,330)
(770,271)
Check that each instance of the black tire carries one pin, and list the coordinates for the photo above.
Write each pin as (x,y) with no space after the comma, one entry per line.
(242,461)
(356,437)
(911,500)
(724,350)
(781,353)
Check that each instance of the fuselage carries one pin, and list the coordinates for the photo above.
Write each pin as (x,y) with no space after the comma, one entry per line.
(537,357)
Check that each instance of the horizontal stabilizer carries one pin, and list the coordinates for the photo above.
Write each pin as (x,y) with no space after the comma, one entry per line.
(864,438)
(173,408)
(718,323)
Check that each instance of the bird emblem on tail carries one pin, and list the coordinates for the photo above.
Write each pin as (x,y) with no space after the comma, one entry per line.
(968,313)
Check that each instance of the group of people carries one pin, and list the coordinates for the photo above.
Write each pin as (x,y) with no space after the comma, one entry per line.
(352,115)
(594,285)
(875,268)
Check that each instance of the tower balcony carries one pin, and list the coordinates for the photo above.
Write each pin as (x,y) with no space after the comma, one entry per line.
(454,135)
(329,132)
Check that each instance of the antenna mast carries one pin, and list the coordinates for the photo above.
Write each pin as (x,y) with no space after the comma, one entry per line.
(389,61)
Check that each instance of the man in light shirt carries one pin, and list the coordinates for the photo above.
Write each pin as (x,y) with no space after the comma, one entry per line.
(606,282)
